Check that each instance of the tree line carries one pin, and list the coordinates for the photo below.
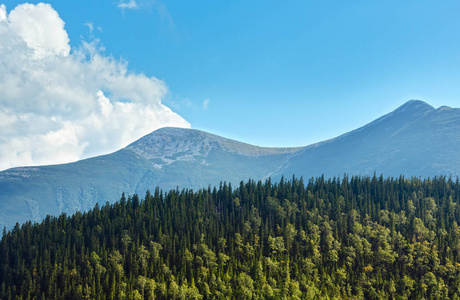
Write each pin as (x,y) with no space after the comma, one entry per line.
(351,237)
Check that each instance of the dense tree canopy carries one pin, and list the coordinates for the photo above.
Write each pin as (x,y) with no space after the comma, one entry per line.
(357,238)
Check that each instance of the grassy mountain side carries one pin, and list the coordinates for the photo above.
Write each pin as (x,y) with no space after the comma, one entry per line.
(414,140)
(168,158)
(33,193)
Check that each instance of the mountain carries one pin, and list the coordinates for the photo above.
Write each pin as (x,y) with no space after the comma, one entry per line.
(414,140)
(168,158)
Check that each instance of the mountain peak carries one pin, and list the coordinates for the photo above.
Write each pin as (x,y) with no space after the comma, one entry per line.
(444,108)
(170,144)
(177,131)
(415,105)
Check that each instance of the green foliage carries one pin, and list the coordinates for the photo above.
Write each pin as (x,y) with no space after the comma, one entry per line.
(355,238)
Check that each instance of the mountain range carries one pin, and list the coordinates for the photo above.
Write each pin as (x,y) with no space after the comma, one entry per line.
(414,140)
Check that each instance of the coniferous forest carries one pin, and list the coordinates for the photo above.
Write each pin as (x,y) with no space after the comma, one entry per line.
(349,238)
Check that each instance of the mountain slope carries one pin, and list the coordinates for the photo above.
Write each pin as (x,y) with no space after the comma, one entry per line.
(168,158)
(414,140)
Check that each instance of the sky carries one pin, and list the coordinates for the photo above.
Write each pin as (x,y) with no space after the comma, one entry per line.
(84,78)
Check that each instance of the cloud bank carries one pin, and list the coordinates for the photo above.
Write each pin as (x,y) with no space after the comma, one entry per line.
(59,104)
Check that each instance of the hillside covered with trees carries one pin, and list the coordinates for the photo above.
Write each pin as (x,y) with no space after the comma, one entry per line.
(355,238)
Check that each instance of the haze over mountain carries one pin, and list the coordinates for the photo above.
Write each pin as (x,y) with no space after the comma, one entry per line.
(413,140)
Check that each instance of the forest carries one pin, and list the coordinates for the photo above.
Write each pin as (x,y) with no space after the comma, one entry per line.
(338,238)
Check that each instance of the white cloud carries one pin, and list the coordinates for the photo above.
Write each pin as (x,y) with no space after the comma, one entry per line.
(41,28)
(206,103)
(131,4)
(2,12)
(90,27)
(59,104)
(150,5)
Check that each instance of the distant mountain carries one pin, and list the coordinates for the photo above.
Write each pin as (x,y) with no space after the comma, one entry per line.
(414,140)
(168,158)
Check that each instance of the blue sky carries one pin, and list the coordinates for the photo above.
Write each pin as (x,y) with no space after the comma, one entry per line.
(275,73)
